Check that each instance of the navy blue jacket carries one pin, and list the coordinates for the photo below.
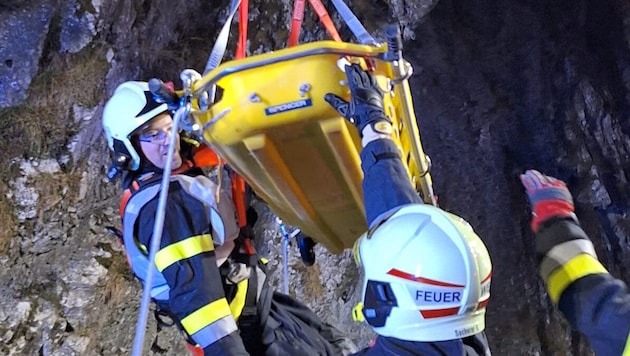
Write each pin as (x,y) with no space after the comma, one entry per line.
(593,302)
(197,289)
(386,186)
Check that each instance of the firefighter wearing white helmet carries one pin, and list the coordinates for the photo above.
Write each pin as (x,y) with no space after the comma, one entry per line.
(130,108)
(426,273)
(208,279)
(426,276)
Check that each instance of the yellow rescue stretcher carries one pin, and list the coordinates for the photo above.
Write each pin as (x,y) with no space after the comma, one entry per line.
(272,125)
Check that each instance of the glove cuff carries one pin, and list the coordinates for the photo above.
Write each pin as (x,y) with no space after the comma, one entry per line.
(375,118)
(382,127)
(549,209)
(375,131)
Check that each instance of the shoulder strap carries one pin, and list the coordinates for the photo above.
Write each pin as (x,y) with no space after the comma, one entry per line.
(136,253)
(148,179)
(220,208)
(135,186)
(125,198)
(249,322)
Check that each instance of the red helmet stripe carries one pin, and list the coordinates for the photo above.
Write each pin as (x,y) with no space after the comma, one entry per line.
(438,313)
(410,277)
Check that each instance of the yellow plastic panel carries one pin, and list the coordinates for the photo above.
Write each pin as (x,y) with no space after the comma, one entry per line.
(274,128)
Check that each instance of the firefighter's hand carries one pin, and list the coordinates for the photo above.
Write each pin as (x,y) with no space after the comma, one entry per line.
(549,198)
(366,102)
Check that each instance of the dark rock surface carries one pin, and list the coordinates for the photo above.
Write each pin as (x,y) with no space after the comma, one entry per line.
(507,87)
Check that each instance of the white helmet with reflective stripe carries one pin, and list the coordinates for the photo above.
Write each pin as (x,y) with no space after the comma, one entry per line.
(131,106)
(426,276)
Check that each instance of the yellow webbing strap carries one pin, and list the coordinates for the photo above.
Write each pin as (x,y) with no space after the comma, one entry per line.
(238,303)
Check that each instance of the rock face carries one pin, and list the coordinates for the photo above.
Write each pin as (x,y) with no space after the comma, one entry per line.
(23,35)
(498,88)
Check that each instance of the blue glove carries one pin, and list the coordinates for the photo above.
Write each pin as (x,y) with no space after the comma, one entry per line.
(366,102)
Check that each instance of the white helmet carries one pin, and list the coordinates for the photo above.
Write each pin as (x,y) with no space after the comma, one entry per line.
(426,276)
(131,106)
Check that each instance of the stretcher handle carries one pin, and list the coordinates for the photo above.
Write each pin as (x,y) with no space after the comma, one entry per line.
(311,49)
(401,70)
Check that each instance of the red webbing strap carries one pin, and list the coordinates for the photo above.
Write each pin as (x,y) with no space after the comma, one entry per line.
(195,350)
(321,12)
(205,157)
(296,22)
(243,18)
(125,198)
(247,246)
(238,195)
(238,183)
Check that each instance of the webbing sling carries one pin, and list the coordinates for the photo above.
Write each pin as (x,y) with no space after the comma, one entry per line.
(243,19)
(296,22)
(218,50)
(353,23)
(298,16)
(321,12)
(249,320)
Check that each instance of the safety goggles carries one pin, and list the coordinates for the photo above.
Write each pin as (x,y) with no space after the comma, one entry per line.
(156,135)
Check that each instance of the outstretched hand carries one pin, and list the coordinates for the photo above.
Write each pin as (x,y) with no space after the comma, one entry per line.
(366,101)
(548,196)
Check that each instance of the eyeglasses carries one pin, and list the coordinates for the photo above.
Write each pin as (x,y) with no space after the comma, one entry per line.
(155,136)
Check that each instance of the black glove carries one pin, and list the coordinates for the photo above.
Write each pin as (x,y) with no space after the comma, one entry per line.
(366,102)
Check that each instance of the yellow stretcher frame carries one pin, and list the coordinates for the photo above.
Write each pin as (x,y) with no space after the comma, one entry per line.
(272,125)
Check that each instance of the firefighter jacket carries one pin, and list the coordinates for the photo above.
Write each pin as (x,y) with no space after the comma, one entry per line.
(386,178)
(476,345)
(211,282)
(593,302)
(198,236)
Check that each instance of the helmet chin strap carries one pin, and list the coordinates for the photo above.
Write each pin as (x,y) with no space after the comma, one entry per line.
(157,235)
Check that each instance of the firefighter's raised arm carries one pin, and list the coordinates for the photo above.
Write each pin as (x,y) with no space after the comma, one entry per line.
(593,302)
(383,190)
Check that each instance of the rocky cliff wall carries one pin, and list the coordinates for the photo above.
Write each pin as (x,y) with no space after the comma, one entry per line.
(498,88)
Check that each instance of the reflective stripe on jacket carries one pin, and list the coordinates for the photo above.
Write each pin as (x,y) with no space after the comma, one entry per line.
(594,302)
(187,280)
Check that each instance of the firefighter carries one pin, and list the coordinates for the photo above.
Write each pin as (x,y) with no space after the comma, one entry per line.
(594,302)
(208,278)
(426,273)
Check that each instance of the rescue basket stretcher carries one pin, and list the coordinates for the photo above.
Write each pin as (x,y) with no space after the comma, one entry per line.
(272,126)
